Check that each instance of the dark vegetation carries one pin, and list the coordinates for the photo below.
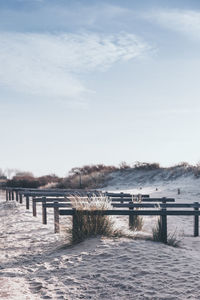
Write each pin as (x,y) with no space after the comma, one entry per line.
(94,176)
(27,180)
(89,176)
(146,166)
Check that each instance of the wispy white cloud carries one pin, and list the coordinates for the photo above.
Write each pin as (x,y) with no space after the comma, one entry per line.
(183,21)
(50,64)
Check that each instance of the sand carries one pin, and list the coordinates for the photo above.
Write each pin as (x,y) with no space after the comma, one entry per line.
(35,263)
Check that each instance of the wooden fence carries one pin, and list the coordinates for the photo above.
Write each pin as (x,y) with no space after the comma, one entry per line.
(47,203)
(60,201)
(163,213)
(16,193)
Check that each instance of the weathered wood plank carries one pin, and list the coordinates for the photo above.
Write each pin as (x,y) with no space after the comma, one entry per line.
(44,213)
(48,203)
(196,221)
(34,208)
(27,202)
(56,220)
(53,190)
(74,225)
(56,204)
(6,195)
(131,217)
(57,193)
(34,194)
(163,222)
(136,212)
(158,205)
(124,195)
(145,200)
(38,200)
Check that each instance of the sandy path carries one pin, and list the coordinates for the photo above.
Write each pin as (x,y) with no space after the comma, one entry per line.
(35,264)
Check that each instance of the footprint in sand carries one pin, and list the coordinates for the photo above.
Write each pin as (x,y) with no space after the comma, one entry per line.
(35,286)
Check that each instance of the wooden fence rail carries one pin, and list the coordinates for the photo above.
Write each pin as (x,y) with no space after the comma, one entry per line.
(157,205)
(55,206)
(144,200)
(122,195)
(45,199)
(163,213)
(49,203)
(14,192)
(10,191)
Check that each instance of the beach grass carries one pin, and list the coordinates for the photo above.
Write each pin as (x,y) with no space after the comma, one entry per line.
(172,238)
(90,224)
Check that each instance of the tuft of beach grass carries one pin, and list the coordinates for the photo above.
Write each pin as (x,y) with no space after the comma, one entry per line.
(91,224)
(172,239)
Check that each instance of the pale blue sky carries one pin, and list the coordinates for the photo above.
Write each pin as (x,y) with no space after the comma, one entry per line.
(85,82)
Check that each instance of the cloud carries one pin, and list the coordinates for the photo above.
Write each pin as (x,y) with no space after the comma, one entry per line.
(50,65)
(183,21)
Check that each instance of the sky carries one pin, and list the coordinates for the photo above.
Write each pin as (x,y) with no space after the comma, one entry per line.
(87,82)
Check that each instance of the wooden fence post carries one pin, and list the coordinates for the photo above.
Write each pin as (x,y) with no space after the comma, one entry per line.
(131,217)
(34,207)
(139,198)
(196,221)
(9,194)
(6,195)
(74,225)
(44,211)
(27,202)
(121,196)
(17,196)
(163,221)
(56,219)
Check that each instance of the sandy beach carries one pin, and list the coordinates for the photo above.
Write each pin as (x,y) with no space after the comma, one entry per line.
(99,98)
(38,264)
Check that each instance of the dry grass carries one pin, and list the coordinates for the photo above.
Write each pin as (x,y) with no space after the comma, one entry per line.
(157,232)
(137,221)
(146,166)
(172,239)
(88,176)
(86,223)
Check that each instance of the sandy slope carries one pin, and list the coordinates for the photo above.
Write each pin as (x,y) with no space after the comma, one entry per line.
(34,264)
